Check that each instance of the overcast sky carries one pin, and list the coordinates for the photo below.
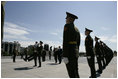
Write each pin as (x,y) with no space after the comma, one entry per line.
(28,22)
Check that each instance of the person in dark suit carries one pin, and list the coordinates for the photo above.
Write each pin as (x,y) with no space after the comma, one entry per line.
(39,53)
(71,43)
(35,53)
(14,54)
(50,53)
(59,54)
(89,52)
(98,55)
(55,54)
(43,55)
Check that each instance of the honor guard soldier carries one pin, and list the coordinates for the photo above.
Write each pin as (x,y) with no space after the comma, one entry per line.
(71,43)
(103,54)
(98,55)
(89,52)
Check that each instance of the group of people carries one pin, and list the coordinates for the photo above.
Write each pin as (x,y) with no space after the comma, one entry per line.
(39,51)
(70,53)
(58,54)
(71,44)
(103,54)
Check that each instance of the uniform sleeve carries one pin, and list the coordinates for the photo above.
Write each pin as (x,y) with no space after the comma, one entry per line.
(78,38)
(65,40)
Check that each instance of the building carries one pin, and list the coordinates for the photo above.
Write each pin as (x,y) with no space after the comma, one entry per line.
(7,47)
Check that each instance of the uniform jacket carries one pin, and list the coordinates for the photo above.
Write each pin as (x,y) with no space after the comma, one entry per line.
(97,48)
(71,33)
(89,46)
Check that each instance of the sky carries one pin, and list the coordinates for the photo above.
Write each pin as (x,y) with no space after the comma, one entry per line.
(30,21)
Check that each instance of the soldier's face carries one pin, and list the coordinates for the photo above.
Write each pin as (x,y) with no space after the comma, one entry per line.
(95,39)
(87,32)
(69,20)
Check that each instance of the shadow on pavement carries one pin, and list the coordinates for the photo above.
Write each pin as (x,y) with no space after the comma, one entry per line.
(23,68)
(52,63)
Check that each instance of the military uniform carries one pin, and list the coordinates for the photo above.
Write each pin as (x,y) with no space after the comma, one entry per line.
(90,54)
(103,55)
(109,54)
(71,43)
(98,55)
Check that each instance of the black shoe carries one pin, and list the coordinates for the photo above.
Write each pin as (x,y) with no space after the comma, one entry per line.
(25,60)
(99,71)
(90,77)
(39,66)
(34,65)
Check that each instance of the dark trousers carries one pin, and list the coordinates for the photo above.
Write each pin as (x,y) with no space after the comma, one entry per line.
(55,58)
(14,57)
(49,57)
(43,58)
(35,59)
(60,59)
(72,68)
(31,57)
(39,58)
(103,59)
(91,63)
(99,64)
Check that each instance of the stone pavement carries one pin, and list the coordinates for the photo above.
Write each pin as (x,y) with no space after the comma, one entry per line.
(49,69)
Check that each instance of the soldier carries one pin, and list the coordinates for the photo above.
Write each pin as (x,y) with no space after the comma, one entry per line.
(98,55)
(89,52)
(71,43)
(103,55)
(39,53)
(59,54)
(14,53)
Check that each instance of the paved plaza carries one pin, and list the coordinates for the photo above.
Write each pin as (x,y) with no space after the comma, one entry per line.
(49,69)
